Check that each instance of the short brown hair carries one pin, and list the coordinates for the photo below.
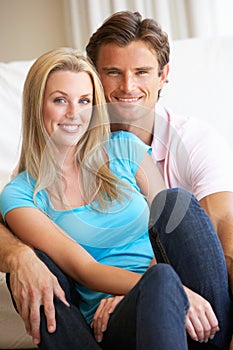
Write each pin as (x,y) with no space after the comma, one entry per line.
(124,27)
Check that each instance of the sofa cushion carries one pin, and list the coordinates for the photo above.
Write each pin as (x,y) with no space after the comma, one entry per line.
(12,331)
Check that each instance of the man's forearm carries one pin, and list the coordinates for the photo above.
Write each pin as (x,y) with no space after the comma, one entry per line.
(229,262)
(11,249)
(219,207)
(225,233)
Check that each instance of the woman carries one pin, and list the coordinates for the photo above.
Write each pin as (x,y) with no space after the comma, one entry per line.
(87,193)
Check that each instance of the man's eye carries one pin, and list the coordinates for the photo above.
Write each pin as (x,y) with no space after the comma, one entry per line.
(113,72)
(142,72)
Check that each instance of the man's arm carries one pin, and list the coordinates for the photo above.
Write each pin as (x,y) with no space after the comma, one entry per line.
(32,283)
(219,207)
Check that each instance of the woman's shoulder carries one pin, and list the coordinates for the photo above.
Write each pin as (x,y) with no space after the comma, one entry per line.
(21,179)
(18,186)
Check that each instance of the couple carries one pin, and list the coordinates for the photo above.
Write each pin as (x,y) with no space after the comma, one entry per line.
(80,180)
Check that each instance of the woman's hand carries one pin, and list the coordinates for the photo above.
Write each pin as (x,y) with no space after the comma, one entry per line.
(201,322)
(102,314)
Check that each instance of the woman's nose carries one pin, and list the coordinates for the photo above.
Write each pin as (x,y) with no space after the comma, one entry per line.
(72,111)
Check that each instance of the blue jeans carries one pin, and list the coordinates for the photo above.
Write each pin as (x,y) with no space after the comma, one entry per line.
(152,315)
(184,237)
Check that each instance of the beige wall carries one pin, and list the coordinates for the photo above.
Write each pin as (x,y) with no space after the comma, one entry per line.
(30,27)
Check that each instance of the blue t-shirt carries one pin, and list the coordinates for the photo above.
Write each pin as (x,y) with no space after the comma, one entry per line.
(117,236)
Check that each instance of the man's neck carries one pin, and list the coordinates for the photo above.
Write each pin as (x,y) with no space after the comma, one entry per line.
(145,133)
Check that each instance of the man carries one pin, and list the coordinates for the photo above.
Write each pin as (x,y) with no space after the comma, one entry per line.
(132,59)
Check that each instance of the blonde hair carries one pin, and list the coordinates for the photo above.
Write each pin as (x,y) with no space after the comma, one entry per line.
(37,153)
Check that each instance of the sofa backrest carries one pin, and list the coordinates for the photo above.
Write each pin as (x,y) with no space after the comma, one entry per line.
(200,82)
(200,85)
(12,76)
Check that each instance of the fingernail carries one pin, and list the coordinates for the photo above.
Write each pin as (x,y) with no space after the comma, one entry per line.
(36,341)
(212,336)
(51,329)
(99,339)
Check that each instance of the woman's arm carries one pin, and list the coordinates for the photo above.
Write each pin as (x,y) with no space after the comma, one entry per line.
(67,254)
(149,178)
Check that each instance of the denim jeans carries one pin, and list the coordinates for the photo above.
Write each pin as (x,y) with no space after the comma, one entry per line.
(152,315)
(72,331)
(184,237)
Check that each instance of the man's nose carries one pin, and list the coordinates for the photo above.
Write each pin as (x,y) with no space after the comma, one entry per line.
(127,83)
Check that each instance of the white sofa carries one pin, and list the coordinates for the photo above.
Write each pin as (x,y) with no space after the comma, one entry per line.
(200,86)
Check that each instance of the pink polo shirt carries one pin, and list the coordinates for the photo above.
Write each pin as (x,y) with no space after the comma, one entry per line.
(191,155)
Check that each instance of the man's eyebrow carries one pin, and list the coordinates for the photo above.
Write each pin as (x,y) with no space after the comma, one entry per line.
(109,68)
(145,68)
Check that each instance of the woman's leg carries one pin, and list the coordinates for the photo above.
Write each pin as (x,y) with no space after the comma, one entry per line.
(72,331)
(183,235)
(152,314)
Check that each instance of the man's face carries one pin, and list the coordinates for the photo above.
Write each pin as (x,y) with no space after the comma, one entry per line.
(130,79)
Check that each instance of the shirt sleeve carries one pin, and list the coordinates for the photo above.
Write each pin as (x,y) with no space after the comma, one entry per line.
(128,148)
(208,166)
(19,193)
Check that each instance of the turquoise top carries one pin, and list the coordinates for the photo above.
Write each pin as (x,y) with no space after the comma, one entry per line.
(117,236)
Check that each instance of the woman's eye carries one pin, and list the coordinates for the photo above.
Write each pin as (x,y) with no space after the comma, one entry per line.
(84,101)
(59,100)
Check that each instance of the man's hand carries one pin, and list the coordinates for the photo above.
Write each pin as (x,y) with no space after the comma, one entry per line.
(231,345)
(201,322)
(102,314)
(33,285)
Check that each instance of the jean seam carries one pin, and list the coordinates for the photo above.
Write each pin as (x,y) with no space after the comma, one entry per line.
(159,248)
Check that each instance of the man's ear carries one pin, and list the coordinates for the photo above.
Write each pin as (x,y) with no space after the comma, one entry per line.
(164,75)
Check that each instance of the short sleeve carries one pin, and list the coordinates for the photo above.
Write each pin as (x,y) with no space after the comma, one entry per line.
(19,193)
(127,148)
(210,166)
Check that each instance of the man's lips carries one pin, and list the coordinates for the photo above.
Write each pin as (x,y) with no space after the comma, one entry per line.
(128,100)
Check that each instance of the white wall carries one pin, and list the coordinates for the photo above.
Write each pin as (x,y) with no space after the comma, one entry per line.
(30,27)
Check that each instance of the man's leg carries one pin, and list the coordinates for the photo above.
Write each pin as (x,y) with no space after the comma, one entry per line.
(182,234)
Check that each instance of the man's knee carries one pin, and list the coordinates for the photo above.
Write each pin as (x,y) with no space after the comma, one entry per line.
(162,281)
(169,208)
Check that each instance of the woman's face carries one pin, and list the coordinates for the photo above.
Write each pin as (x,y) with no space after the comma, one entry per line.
(67,106)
